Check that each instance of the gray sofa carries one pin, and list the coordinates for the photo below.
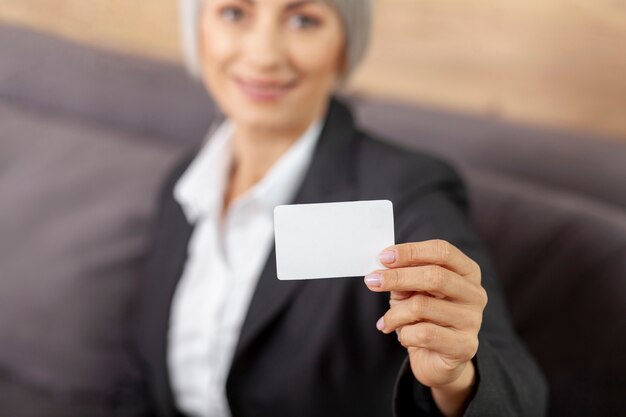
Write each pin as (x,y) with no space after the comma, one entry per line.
(87,137)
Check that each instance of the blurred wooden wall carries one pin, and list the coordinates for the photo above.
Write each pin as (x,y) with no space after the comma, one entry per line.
(558,63)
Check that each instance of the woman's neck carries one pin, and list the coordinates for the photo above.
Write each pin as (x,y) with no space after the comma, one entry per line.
(255,151)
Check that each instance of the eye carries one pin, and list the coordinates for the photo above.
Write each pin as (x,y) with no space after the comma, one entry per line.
(301,21)
(232,13)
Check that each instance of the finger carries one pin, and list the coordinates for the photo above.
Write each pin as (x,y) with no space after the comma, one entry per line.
(425,308)
(432,279)
(397,296)
(459,346)
(400,295)
(436,252)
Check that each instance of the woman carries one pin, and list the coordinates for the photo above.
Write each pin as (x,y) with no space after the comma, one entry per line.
(219,335)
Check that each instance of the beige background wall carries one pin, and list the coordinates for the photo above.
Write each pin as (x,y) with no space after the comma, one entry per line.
(558,63)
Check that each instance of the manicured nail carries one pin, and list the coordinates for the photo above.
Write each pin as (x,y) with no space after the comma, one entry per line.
(372,280)
(387,256)
(380,324)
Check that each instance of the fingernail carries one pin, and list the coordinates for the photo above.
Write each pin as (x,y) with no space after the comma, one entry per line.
(372,280)
(387,256)
(380,324)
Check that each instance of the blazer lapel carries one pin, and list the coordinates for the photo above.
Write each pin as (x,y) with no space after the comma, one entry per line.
(330,178)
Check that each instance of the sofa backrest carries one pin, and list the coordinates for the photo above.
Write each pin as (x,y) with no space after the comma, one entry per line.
(148,98)
(159,100)
(591,166)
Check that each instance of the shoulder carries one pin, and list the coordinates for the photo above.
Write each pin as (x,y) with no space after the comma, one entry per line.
(402,171)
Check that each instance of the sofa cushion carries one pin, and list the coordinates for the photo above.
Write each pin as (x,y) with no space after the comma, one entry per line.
(76,204)
(562,262)
(23,400)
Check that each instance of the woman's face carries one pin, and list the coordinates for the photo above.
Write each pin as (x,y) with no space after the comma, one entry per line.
(271,64)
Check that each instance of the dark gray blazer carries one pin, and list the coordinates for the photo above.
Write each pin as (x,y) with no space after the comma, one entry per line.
(311,348)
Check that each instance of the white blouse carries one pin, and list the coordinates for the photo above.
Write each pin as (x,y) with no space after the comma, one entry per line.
(224,261)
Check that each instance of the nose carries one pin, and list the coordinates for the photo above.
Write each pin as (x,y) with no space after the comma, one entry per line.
(264,49)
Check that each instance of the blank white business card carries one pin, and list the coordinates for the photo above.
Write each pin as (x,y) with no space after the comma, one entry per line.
(329,240)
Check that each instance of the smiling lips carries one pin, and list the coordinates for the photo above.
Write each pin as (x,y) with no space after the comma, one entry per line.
(264,90)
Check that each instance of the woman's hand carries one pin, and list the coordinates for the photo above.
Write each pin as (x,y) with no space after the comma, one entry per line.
(436,308)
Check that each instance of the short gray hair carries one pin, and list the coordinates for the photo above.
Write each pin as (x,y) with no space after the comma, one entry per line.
(356,16)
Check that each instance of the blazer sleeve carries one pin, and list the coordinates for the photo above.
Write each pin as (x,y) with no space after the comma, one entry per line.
(509,382)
